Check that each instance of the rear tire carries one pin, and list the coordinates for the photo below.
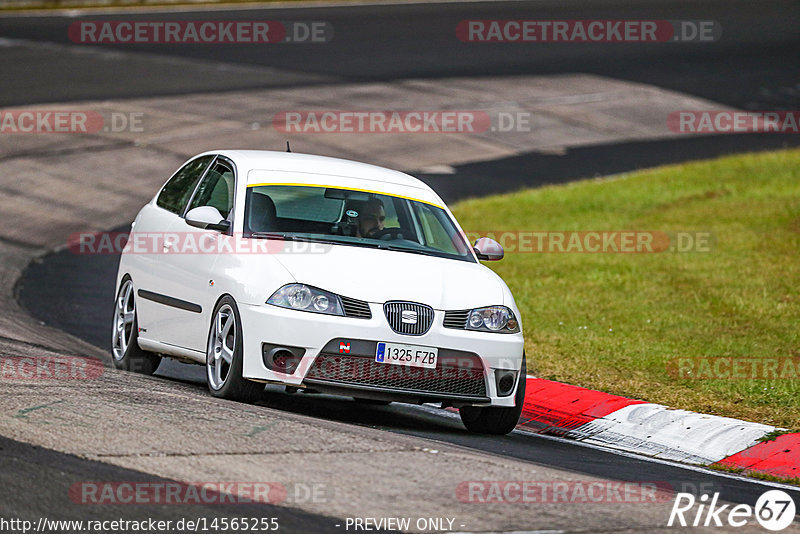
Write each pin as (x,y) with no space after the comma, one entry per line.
(225,356)
(496,419)
(125,351)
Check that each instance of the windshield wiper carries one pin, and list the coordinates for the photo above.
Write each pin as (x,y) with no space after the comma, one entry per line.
(292,237)
(273,235)
(404,249)
(285,236)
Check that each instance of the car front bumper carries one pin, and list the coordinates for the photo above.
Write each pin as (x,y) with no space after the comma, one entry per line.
(339,357)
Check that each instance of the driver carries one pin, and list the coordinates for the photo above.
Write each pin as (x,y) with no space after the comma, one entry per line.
(371,217)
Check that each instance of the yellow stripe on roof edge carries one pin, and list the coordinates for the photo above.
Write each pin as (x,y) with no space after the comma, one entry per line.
(348,189)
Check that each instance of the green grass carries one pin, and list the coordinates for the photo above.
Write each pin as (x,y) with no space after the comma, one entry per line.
(643,311)
(775,434)
(754,474)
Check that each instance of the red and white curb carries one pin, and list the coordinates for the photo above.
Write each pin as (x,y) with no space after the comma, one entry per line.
(654,430)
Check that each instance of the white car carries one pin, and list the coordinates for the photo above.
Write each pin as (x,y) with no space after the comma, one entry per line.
(319,273)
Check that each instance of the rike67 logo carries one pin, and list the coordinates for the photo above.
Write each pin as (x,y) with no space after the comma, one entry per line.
(774,510)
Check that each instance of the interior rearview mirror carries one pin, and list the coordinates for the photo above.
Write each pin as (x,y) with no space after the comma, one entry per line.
(346,194)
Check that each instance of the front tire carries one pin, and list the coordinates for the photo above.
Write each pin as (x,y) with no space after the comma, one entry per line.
(225,356)
(125,351)
(496,419)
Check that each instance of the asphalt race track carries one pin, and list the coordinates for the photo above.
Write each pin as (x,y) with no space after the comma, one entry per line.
(83,300)
(26,469)
(754,67)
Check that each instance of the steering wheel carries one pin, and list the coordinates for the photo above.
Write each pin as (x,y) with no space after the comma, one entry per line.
(387,234)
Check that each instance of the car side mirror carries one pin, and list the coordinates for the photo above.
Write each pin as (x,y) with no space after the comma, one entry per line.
(488,249)
(207,218)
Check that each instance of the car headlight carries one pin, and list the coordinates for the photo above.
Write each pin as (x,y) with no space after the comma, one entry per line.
(493,319)
(306,298)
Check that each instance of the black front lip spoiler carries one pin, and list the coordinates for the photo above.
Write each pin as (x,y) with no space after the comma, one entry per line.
(349,389)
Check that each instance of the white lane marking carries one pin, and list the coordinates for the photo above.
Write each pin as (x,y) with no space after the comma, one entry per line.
(120,10)
(681,435)
(183,62)
(696,468)
(430,408)
(438,169)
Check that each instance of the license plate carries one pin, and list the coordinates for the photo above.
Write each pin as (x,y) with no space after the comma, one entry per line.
(409,355)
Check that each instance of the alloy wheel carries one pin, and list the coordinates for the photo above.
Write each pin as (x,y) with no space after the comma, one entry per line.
(124,316)
(221,347)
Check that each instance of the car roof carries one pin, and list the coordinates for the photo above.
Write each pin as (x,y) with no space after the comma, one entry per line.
(312,169)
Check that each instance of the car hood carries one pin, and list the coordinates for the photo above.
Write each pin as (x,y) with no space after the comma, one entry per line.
(376,275)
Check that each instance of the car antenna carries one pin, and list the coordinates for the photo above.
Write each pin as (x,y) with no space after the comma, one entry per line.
(287,147)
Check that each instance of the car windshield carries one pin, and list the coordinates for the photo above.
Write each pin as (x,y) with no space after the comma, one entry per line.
(350,217)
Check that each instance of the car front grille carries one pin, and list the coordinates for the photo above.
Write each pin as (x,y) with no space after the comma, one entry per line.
(456,319)
(458,375)
(408,318)
(356,308)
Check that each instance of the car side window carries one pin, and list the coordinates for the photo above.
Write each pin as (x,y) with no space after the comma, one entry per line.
(216,190)
(435,234)
(176,192)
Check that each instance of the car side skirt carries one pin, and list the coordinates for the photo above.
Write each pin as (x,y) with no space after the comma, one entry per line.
(172,351)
